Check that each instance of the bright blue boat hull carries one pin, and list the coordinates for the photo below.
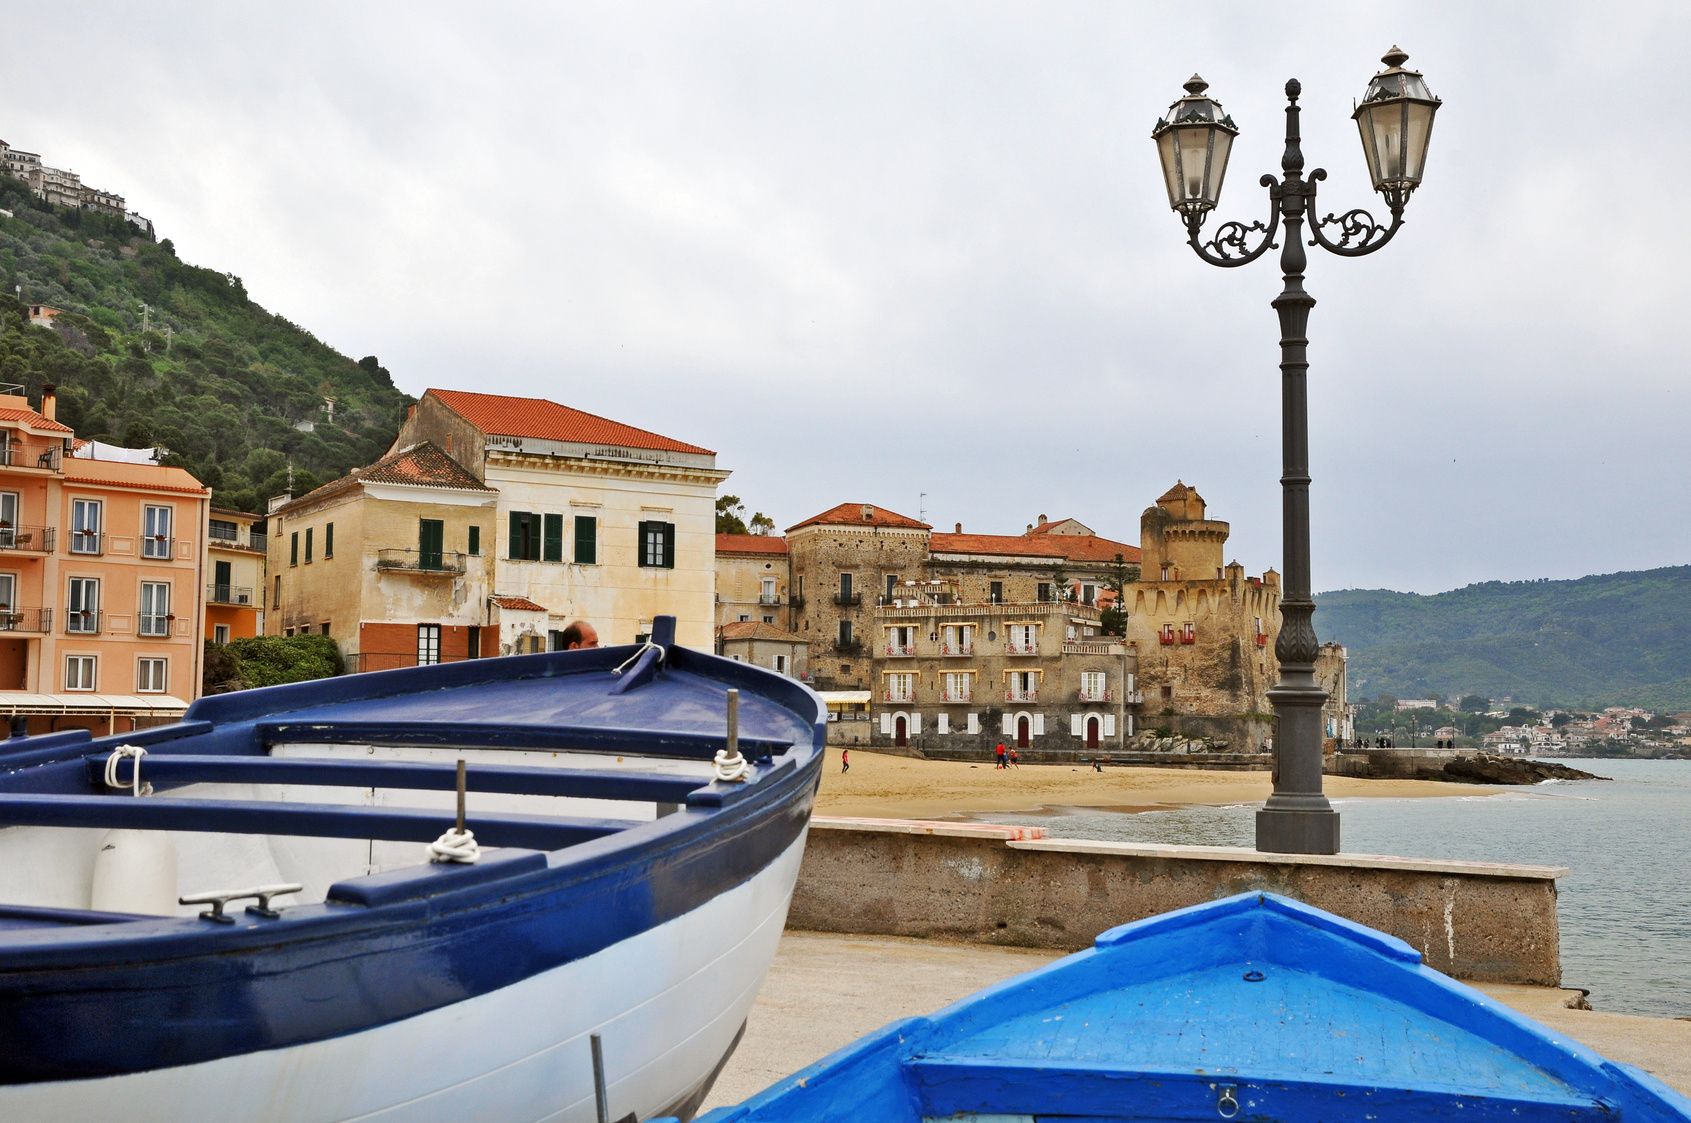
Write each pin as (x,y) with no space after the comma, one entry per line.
(1255,1007)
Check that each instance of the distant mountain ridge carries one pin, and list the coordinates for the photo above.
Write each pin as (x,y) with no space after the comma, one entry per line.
(153,351)
(1613,639)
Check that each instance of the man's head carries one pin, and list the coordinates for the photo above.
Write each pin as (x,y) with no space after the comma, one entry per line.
(580,634)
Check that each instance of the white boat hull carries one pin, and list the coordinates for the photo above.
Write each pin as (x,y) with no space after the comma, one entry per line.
(667,1004)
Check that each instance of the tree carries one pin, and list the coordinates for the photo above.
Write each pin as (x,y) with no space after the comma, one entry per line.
(1113,620)
(1474,703)
(762,524)
(731,518)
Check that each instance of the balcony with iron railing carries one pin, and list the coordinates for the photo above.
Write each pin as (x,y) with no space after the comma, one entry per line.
(232,540)
(28,539)
(769,598)
(36,621)
(960,650)
(957,697)
(848,647)
(239,595)
(155,625)
(1086,695)
(158,546)
(82,622)
(1133,698)
(16,454)
(90,543)
(899,650)
(1013,694)
(442,564)
(848,600)
(898,697)
(985,610)
(1028,648)
(914,599)
(795,602)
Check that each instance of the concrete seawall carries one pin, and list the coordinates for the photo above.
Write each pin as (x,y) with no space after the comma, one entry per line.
(1480,921)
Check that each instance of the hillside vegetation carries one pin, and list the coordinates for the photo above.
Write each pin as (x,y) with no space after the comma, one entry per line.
(220,382)
(1615,639)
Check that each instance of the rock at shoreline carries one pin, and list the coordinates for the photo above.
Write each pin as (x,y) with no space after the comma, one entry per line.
(1484,769)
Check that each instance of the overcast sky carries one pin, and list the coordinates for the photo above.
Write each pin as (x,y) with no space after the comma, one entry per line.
(871,251)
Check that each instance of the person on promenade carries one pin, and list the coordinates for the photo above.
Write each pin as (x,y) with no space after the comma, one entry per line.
(845,761)
(580,634)
(1015,760)
(1000,755)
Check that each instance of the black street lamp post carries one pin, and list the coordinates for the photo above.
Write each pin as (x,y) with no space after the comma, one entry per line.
(1395,118)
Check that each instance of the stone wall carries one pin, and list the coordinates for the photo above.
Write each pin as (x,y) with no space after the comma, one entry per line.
(1476,920)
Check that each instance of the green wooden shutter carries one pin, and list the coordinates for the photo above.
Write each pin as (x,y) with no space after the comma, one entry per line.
(293,548)
(475,541)
(668,530)
(430,536)
(329,540)
(640,544)
(586,540)
(554,538)
(513,549)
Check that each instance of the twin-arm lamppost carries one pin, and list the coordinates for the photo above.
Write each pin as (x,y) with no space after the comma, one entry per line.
(1396,121)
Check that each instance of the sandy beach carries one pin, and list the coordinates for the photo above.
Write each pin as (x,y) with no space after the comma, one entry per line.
(904,788)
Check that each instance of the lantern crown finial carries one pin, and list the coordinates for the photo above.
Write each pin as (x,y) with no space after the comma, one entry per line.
(1195,86)
(1395,57)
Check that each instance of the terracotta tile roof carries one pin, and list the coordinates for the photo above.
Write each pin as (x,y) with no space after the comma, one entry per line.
(861,514)
(750,544)
(518,604)
(420,465)
(146,477)
(32,419)
(758,630)
(1010,545)
(547,420)
(1093,548)
(1179,491)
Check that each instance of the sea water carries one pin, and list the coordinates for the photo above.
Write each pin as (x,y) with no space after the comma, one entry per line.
(1625,904)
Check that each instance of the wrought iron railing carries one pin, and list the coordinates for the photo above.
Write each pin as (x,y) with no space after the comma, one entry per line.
(418,561)
(82,623)
(229,594)
(848,600)
(28,539)
(158,546)
(900,649)
(1014,648)
(88,542)
(26,619)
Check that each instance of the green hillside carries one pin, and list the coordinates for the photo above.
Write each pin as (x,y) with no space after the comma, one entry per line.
(219,381)
(1615,639)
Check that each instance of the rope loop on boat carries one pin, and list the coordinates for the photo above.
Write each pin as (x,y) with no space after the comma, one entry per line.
(639,651)
(455,846)
(732,769)
(135,753)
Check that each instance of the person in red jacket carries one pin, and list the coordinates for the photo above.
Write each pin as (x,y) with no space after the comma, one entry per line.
(1001,763)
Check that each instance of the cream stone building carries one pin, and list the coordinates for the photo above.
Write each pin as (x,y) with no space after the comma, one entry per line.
(753,583)
(394,562)
(595,520)
(765,645)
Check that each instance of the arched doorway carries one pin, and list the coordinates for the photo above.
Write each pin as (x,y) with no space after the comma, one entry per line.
(1092,732)
(900,730)
(1022,728)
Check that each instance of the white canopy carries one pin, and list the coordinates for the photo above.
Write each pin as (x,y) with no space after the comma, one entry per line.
(836,698)
(15,702)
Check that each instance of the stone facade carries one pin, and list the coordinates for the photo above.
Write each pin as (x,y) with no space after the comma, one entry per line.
(1338,716)
(1205,632)
(765,645)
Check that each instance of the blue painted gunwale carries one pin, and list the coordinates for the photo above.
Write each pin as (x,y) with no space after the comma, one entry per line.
(119,995)
(1153,1019)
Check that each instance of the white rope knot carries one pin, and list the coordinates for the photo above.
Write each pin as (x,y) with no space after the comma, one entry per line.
(732,769)
(455,846)
(641,650)
(135,753)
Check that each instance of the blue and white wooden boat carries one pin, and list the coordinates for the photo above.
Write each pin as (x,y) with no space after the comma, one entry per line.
(1252,1008)
(626,902)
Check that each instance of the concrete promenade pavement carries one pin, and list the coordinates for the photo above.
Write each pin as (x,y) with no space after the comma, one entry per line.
(826,990)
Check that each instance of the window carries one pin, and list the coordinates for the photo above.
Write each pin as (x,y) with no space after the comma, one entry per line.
(276,600)
(845,633)
(1022,686)
(431,534)
(222,530)
(1088,594)
(552,543)
(900,688)
(85,526)
(428,644)
(586,540)
(473,638)
(769,619)
(892,585)
(744,616)
(1094,686)
(151,675)
(308,545)
(323,627)
(1023,639)
(293,548)
(901,640)
(84,616)
(996,596)
(958,639)
(525,536)
(959,686)
(475,542)
(155,608)
(155,533)
(220,633)
(781,664)
(9,538)
(79,672)
(1044,593)
(328,541)
(657,545)
(766,591)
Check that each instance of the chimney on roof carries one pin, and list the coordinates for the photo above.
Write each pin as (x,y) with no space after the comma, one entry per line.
(1042,520)
(868,513)
(959,528)
(50,402)
(1030,528)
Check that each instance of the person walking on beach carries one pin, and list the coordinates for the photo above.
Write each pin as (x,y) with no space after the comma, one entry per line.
(845,761)
(1000,755)
(1015,760)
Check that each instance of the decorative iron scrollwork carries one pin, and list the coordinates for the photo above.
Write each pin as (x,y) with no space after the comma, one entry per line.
(1230,245)
(1359,232)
